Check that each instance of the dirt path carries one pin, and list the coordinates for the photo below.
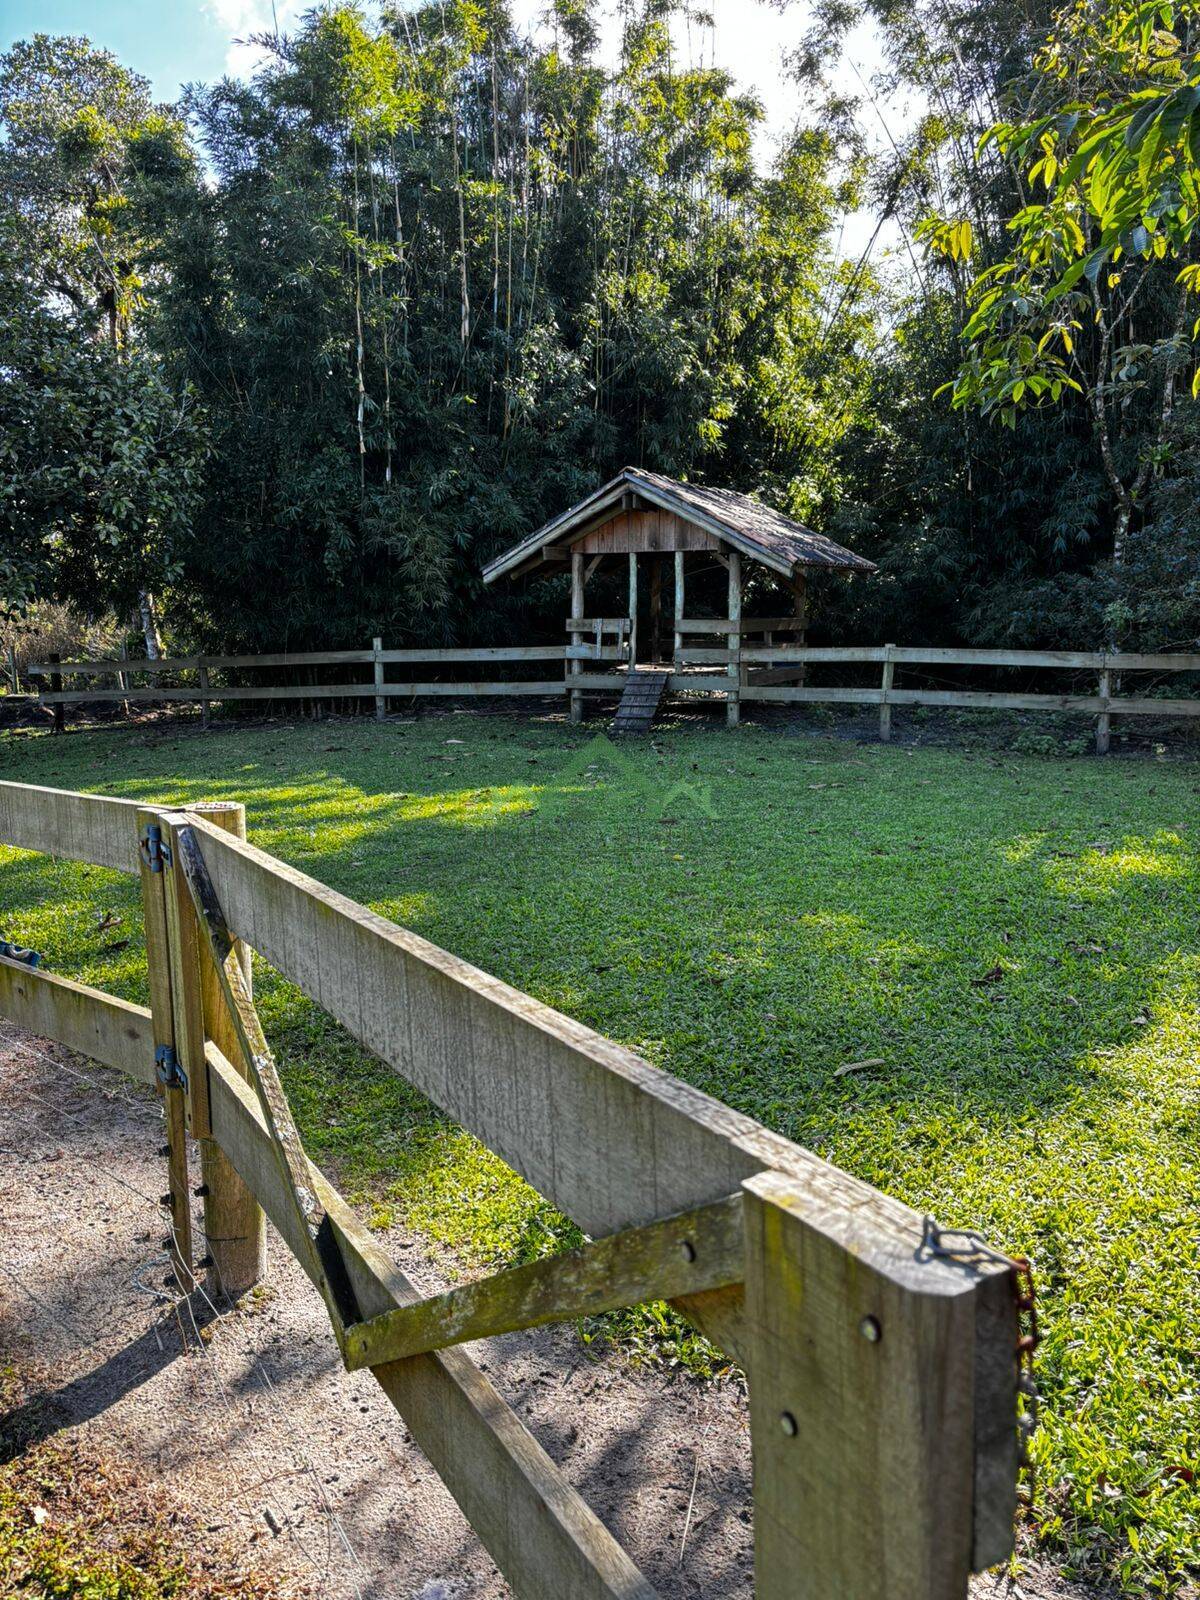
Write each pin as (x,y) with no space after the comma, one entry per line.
(249,1417)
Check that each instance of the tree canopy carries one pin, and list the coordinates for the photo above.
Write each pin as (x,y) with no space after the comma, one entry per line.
(326,340)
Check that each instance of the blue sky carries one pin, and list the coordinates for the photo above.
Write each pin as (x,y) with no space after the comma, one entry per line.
(171,42)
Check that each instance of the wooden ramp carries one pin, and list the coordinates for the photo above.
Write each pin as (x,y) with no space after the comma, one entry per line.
(640,699)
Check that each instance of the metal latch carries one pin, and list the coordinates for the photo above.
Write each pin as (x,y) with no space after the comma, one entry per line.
(155,851)
(16,952)
(170,1074)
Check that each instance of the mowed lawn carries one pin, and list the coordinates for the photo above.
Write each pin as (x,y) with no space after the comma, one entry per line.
(1013,939)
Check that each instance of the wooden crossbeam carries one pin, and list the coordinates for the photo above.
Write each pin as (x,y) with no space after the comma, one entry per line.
(684,1254)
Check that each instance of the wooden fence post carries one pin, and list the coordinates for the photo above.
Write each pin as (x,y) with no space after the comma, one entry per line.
(679,605)
(380,699)
(60,711)
(1103,721)
(204,707)
(885,709)
(233,1219)
(158,965)
(734,642)
(633,609)
(861,1415)
(574,639)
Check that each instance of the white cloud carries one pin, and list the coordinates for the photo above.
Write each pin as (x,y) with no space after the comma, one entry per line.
(239,20)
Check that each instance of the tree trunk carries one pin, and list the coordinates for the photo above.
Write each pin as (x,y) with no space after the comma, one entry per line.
(149,621)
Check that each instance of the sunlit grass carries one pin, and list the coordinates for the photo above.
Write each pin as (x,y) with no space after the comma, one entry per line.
(1015,939)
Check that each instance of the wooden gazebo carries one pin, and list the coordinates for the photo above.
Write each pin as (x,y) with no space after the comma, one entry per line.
(641,513)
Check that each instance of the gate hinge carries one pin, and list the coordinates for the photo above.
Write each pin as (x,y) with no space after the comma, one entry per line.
(170,1074)
(16,952)
(154,849)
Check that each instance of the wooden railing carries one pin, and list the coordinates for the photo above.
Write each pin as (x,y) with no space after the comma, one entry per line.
(380,688)
(881,1353)
(751,671)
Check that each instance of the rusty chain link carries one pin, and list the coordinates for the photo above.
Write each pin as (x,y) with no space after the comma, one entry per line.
(967,1246)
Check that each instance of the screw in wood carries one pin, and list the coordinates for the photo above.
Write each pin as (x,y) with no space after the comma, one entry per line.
(789,1424)
(687,1250)
(870,1329)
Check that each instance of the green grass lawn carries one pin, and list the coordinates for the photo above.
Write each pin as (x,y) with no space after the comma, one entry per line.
(1015,938)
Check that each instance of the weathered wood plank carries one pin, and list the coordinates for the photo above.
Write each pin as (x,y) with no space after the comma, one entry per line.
(107,667)
(1136,706)
(380,679)
(643,531)
(784,695)
(886,683)
(111,1031)
(540,1089)
(539,652)
(313,1246)
(733,641)
(914,655)
(158,972)
(575,652)
(927,655)
(74,827)
(861,1413)
(681,1255)
(315,691)
(541,1534)
(234,1224)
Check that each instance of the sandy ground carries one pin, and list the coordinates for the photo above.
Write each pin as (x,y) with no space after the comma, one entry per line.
(248,1415)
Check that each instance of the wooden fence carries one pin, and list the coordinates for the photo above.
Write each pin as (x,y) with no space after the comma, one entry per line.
(882,1354)
(750,671)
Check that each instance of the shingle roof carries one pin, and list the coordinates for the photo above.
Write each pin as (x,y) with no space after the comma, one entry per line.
(748,525)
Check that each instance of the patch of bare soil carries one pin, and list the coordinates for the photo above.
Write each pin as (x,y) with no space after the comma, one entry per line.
(246,1417)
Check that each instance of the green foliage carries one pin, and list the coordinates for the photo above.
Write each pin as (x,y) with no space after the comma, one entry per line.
(840,904)
(99,462)
(1112,171)
(99,456)
(448,279)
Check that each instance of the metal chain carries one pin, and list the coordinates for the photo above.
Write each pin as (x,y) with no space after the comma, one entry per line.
(967,1246)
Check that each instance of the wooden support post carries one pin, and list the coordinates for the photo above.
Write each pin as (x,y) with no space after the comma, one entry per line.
(1103,721)
(679,559)
(123,677)
(204,706)
(885,709)
(170,1086)
(233,1220)
(60,711)
(574,668)
(633,605)
(861,1415)
(380,698)
(656,566)
(800,590)
(734,641)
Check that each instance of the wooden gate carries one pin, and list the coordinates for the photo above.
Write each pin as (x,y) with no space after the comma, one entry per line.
(881,1354)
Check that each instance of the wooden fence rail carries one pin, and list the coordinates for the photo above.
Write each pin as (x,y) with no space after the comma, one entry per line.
(882,1360)
(746,672)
